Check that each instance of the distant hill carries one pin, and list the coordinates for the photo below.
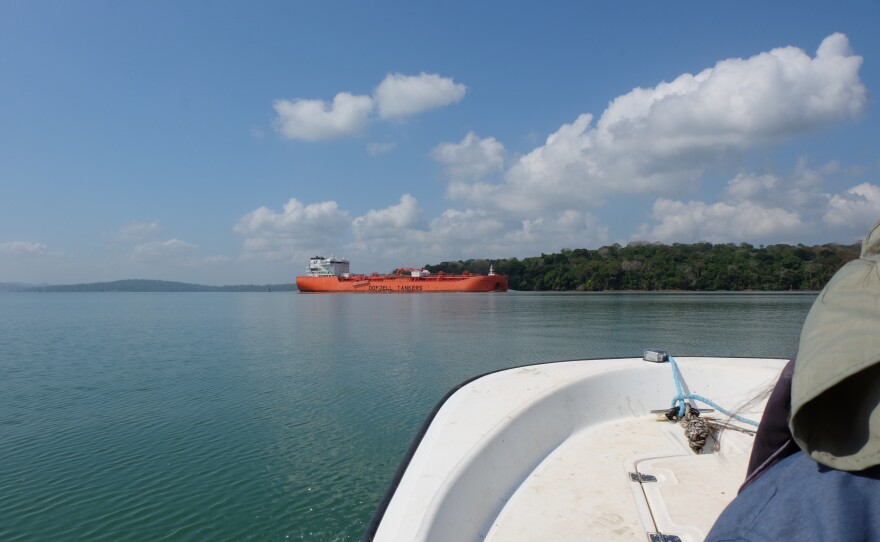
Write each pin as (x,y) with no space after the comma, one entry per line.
(142,285)
(17,286)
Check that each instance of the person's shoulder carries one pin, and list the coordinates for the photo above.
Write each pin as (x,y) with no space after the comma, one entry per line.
(799,497)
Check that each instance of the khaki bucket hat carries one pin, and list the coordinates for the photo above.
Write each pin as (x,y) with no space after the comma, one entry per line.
(835,393)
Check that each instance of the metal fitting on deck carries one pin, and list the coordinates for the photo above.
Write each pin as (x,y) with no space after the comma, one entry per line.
(656,356)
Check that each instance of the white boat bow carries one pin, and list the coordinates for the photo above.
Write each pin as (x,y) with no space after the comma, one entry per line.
(572,451)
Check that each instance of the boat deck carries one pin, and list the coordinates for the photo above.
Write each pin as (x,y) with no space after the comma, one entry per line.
(583,491)
(545,452)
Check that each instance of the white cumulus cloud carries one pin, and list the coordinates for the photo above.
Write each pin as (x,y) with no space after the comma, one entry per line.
(661,140)
(567,229)
(801,191)
(314,120)
(770,208)
(721,222)
(856,208)
(297,229)
(403,95)
(470,225)
(746,186)
(396,96)
(23,248)
(470,158)
(738,102)
(393,222)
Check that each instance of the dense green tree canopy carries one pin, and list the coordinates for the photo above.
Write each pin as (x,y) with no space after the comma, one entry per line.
(650,266)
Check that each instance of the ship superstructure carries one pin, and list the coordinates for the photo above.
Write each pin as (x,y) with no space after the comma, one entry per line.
(320,266)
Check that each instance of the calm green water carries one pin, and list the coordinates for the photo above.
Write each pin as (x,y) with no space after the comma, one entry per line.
(283,416)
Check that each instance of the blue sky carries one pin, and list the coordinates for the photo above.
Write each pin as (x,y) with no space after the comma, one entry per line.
(224,143)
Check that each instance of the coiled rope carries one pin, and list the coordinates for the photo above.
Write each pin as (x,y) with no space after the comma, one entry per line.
(681,398)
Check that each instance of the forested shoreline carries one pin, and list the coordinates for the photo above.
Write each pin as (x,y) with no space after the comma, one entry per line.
(637,266)
(651,266)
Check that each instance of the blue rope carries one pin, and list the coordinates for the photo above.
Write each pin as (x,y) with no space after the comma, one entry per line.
(681,398)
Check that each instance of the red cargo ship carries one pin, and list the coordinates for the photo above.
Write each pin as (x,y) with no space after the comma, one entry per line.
(332,275)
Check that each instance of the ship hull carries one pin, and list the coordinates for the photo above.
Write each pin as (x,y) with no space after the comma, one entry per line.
(402,284)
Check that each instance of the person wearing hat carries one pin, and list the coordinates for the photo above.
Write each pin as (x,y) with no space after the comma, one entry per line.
(814,473)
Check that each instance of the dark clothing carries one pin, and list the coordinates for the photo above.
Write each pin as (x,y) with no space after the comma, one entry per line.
(800,499)
(773,441)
